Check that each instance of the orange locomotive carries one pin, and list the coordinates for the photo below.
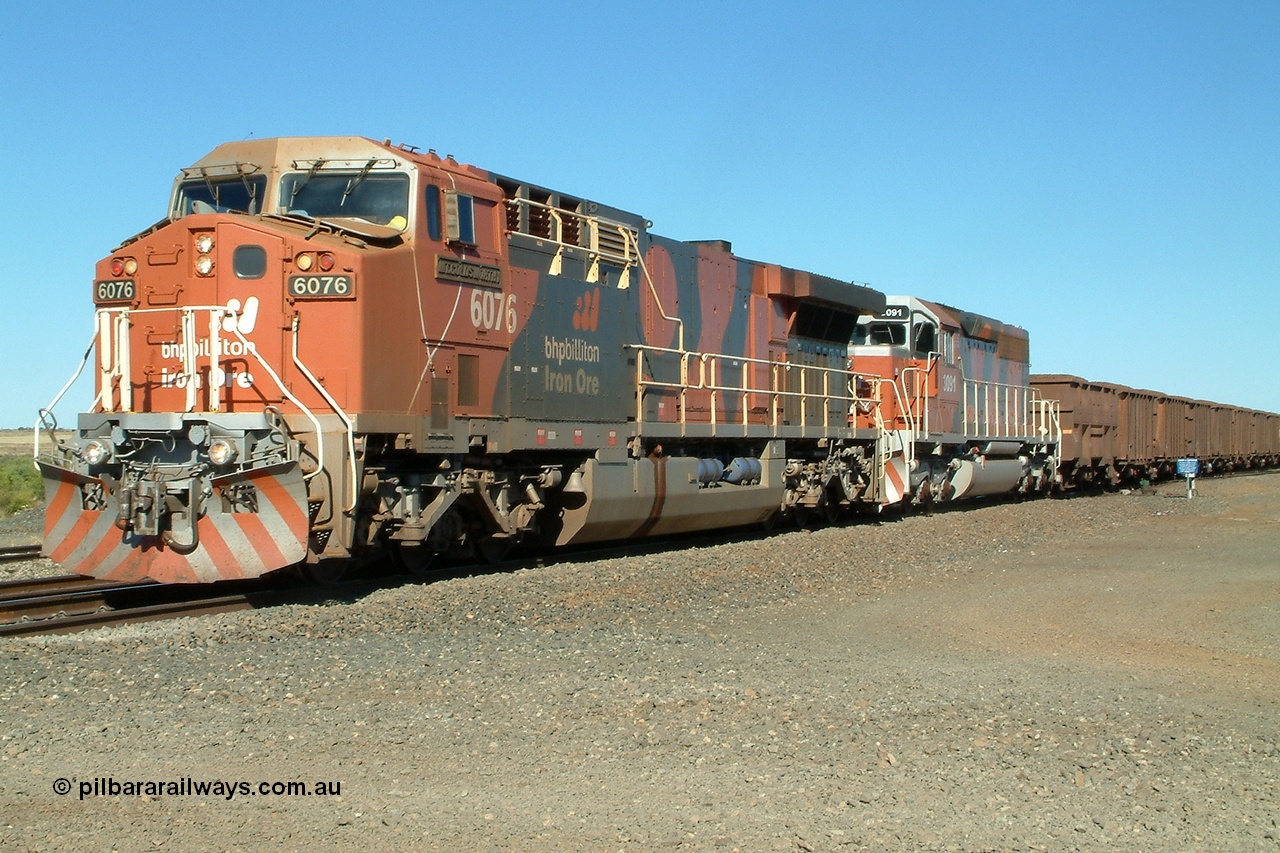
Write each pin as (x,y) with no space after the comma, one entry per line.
(334,347)
(959,418)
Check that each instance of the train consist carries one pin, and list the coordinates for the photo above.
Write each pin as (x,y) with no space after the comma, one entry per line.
(1113,434)
(334,348)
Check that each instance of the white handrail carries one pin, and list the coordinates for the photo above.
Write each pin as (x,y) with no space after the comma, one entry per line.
(1000,409)
(351,444)
(105,335)
(908,448)
(124,367)
(644,268)
(189,356)
(593,223)
(112,338)
(215,387)
(35,437)
(315,422)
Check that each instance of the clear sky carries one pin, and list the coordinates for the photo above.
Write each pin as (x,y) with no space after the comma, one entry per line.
(1104,174)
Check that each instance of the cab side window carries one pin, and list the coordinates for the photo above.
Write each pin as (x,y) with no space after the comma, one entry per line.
(926,339)
(433,212)
(459,218)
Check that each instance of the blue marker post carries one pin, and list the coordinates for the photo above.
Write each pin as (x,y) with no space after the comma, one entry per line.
(1189,468)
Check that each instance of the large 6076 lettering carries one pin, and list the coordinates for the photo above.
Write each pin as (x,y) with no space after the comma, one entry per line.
(492,310)
(321,286)
(114,291)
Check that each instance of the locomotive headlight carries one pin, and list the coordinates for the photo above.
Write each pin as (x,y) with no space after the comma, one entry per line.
(204,265)
(222,452)
(303,261)
(130,266)
(204,243)
(96,452)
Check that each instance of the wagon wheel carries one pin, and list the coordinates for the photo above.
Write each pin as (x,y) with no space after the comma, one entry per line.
(830,509)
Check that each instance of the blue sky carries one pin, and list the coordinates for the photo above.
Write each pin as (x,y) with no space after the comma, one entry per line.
(1106,175)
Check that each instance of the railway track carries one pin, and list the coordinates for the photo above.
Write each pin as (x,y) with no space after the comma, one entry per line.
(13,553)
(64,604)
(68,603)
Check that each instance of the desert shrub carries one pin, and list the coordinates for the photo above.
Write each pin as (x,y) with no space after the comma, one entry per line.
(19,484)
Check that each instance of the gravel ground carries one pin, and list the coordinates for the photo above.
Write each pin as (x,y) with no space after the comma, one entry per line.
(1094,674)
(25,528)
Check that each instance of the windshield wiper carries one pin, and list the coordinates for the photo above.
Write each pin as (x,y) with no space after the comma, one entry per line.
(210,186)
(297,188)
(357,180)
(251,191)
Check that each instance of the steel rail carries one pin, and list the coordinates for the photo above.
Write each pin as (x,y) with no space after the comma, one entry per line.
(36,603)
(64,603)
(12,553)
(24,587)
(74,622)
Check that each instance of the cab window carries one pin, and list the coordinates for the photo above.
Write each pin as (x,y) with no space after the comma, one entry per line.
(459,218)
(878,334)
(351,195)
(433,212)
(236,193)
(926,339)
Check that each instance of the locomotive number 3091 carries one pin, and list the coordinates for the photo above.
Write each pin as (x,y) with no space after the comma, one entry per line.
(321,286)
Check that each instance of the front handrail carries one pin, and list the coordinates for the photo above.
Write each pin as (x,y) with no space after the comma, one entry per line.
(47,411)
(114,347)
(114,350)
(288,395)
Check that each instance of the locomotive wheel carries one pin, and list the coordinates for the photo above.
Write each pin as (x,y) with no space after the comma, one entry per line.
(925,496)
(831,510)
(327,572)
(414,560)
(494,549)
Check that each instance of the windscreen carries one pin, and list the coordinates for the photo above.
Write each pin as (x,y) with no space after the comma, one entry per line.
(880,333)
(220,195)
(350,195)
